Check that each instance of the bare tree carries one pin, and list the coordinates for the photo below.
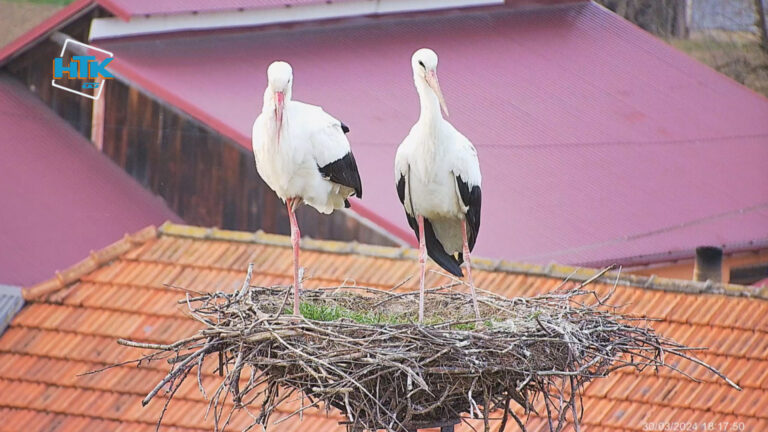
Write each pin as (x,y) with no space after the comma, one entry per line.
(761,25)
(666,18)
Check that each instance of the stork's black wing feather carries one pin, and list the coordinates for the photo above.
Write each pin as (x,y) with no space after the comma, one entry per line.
(435,249)
(344,172)
(472,198)
(412,222)
(344,128)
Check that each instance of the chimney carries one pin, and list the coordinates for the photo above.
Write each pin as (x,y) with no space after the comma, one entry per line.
(709,264)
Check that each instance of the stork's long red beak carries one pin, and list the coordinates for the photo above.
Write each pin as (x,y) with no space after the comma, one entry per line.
(279,100)
(435,85)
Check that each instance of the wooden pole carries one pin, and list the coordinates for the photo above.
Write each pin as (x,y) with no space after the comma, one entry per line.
(680,27)
(97,118)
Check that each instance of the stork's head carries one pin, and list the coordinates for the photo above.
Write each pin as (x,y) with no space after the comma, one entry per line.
(280,80)
(424,64)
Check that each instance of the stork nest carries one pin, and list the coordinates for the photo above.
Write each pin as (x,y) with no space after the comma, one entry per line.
(361,351)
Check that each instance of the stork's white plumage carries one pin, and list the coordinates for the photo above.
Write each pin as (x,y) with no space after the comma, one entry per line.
(437,174)
(302,153)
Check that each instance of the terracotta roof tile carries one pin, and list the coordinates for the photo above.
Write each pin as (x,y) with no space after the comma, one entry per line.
(704,309)
(739,346)
(731,313)
(759,346)
(661,306)
(66,330)
(755,376)
(616,416)
(753,316)
(622,389)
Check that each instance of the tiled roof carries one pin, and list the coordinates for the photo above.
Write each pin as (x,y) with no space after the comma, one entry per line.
(71,322)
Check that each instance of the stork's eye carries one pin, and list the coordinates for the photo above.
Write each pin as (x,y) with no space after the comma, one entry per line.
(421,63)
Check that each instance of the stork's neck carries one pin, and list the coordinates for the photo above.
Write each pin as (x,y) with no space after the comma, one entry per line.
(430,114)
(269,100)
(269,111)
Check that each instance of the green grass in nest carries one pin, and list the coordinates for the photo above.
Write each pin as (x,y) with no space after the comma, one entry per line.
(334,313)
(319,312)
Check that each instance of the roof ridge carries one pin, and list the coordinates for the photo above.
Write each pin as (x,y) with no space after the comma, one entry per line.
(553,270)
(95,260)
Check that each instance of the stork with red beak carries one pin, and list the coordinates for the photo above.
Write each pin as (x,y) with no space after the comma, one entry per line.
(302,153)
(437,175)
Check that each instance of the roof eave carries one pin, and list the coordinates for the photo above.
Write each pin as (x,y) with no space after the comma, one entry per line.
(114,9)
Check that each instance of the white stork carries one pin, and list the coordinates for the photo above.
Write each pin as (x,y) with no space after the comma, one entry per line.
(303,155)
(438,181)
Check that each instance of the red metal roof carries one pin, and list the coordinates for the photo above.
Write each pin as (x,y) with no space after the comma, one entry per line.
(60,197)
(597,141)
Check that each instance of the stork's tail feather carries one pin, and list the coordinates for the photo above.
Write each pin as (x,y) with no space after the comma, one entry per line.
(438,254)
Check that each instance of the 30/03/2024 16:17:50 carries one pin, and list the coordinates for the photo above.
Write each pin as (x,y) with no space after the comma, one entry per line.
(695,426)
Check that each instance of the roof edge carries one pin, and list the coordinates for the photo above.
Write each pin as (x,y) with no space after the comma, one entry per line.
(112,7)
(565,272)
(95,260)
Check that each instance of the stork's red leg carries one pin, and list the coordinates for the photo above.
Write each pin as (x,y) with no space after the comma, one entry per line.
(423,264)
(295,237)
(468,261)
